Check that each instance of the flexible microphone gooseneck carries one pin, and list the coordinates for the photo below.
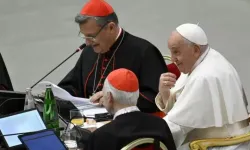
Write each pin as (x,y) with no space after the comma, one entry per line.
(77,50)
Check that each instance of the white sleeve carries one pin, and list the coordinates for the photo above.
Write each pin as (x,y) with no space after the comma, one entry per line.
(168,105)
(179,132)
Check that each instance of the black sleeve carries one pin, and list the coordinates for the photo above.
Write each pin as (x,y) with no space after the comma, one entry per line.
(5,82)
(152,66)
(101,140)
(72,81)
(90,145)
(169,140)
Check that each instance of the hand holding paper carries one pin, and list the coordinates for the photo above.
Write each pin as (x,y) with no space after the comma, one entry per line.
(63,94)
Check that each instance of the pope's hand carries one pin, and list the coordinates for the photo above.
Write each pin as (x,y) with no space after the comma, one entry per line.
(96,97)
(167,81)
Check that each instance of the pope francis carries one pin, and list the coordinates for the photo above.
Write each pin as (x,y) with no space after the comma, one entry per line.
(208,100)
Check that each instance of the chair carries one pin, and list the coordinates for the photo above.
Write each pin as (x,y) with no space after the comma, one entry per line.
(141,141)
(167,57)
(208,143)
(159,114)
(172,67)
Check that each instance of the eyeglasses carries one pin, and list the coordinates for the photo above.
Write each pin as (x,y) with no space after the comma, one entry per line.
(92,38)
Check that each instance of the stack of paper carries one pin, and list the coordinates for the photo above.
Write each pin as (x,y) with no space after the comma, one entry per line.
(90,112)
(63,94)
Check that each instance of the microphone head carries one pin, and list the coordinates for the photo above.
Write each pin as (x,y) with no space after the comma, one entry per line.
(81,47)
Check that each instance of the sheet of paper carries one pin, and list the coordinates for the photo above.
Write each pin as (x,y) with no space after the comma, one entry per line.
(97,125)
(87,108)
(63,94)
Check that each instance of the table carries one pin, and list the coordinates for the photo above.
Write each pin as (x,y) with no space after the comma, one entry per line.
(64,123)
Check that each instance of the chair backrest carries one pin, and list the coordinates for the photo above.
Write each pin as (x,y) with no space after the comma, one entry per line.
(159,114)
(208,143)
(167,57)
(142,141)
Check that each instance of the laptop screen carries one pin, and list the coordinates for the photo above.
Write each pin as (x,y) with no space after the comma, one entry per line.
(27,121)
(45,140)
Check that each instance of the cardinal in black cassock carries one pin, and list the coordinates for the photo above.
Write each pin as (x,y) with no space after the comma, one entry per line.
(126,51)
(129,123)
(5,82)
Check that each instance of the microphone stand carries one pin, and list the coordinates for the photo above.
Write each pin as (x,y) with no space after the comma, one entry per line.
(55,68)
(77,50)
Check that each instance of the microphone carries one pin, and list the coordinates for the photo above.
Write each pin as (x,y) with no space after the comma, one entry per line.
(77,50)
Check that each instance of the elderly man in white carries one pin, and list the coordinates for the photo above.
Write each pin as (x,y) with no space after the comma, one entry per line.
(208,99)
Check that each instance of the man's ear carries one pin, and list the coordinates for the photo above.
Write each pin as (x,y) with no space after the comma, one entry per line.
(197,50)
(110,97)
(112,26)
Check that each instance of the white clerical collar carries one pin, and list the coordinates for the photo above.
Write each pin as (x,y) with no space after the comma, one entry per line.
(120,31)
(126,110)
(200,59)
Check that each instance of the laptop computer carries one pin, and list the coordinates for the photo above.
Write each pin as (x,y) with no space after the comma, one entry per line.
(42,140)
(18,123)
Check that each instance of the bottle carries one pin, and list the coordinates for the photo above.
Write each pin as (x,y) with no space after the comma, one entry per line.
(29,100)
(50,111)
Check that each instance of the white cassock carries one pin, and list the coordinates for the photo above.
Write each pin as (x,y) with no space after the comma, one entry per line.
(208,103)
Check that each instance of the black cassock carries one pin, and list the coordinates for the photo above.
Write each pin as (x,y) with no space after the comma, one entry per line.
(129,127)
(133,53)
(5,82)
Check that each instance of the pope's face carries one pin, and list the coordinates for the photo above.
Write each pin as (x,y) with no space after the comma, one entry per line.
(98,37)
(183,54)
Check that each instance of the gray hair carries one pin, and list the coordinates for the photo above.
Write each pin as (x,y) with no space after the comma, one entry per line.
(101,21)
(121,97)
(203,48)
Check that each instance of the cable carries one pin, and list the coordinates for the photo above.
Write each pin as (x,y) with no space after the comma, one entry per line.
(9,100)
